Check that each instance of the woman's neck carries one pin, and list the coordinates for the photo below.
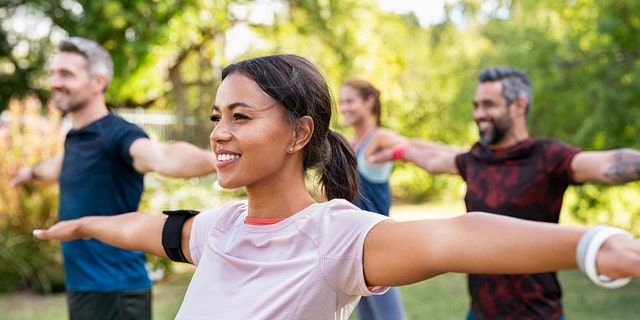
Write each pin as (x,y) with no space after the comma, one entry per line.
(280,200)
(361,132)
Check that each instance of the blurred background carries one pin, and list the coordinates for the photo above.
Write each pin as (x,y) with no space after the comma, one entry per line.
(582,57)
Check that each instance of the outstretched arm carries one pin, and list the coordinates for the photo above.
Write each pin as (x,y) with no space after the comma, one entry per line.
(613,166)
(435,158)
(400,253)
(384,139)
(131,231)
(47,170)
(175,159)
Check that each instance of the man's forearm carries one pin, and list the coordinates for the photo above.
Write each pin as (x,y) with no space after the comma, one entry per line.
(625,166)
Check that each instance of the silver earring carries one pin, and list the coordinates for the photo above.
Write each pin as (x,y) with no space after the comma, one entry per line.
(290,149)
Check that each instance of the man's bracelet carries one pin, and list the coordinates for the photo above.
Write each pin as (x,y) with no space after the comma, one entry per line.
(587,250)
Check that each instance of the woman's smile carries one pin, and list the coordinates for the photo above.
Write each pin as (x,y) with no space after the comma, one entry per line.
(226,158)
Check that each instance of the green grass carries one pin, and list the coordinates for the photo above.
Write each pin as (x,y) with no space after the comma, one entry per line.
(440,298)
(445,297)
(167,297)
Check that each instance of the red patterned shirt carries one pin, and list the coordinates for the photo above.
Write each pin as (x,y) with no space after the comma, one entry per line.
(526,181)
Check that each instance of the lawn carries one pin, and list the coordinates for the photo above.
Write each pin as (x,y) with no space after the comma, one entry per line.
(441,298)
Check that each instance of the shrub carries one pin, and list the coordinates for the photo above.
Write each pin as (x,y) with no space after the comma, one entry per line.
(26,137)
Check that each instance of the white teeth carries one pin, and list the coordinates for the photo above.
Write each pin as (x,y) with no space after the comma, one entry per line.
(484,125)
(227,157)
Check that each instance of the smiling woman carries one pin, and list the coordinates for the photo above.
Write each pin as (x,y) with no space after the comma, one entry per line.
(282,255)
(235,123)
(360,107)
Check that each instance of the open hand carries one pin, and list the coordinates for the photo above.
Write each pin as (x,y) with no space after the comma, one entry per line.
(619,257)
(63,231)
(23,175)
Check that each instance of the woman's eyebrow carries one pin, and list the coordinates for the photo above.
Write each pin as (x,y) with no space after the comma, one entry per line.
(234,106)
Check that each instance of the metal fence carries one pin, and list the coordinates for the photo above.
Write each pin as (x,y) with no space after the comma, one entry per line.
(168,126)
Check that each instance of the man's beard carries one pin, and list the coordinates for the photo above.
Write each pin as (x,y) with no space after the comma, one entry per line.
(497,133)
(71,106)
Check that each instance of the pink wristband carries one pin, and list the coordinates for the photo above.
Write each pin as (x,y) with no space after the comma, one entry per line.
(397,152)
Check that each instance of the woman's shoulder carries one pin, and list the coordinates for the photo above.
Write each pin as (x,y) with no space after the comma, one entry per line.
(343,211)
(342,227)
(230,212)
(231,206)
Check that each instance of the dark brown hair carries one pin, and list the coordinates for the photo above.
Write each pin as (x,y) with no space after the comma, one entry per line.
(301,88)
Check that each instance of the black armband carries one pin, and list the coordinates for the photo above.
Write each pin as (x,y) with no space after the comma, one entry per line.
(172,233)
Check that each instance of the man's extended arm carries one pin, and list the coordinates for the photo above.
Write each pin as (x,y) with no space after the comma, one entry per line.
(434,157)
(613,166)
(174,159)
(47,170)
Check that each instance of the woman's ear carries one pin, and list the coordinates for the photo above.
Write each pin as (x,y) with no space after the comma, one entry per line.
(303,131)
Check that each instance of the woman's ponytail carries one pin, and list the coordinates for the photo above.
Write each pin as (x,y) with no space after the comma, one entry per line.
(340,172)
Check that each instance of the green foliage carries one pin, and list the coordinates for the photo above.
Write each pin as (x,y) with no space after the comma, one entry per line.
(24,261)
(410,183)
(22,54)
(199,194)
(598,204)
(582,57)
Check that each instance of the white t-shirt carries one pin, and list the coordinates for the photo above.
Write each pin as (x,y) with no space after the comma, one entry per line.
(308,266)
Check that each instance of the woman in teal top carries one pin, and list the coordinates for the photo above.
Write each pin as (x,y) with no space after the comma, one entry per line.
(360,109)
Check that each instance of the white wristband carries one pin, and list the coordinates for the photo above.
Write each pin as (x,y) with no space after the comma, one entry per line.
(587,250)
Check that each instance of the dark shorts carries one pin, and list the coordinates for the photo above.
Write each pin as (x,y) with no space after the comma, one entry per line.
(122,305)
